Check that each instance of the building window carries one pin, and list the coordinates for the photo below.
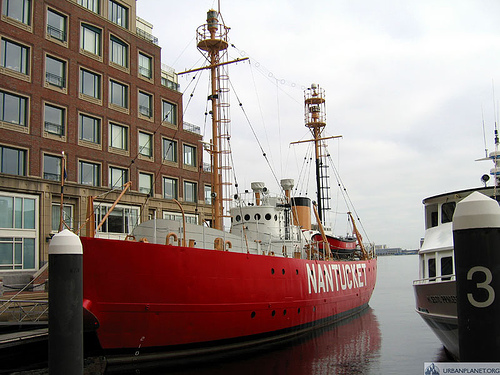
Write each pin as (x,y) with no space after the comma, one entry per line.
(190,218)
(90,84)
(15,56)
(13,109)
(55,71)
(189,153)
(118,14)
(89,173)
(90,129)
(146,183)
(90,39)
(121,220)
(54,119)
(190,189)
(12,161)
(67,216)
(146,144)
(118,52)
(52,167)
(56,25)
(145,104)
(169,150)
(169,112)
(118,137)
(117,177)
(169,188)
(208,194)
(18,9)
(118,94)
(18,232)
(145,66)
(92,5)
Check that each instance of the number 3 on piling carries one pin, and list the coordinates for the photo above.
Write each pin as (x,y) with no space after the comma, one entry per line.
(484,285)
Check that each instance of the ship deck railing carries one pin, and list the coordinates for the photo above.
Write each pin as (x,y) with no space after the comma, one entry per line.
(434,279)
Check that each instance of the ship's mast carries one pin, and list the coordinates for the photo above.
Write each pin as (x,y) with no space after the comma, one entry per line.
(213,42)
(315,119)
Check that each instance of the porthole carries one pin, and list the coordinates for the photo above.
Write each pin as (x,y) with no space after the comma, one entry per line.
(238,218)
(284,312)
(253,314)
(268,216)
(257,217)
(283,271)
(296,272)
(275,217)
(298,310)
(273,313)
(272,271)
(247,217)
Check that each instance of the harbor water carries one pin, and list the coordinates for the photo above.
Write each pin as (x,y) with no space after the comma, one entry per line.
(388,338)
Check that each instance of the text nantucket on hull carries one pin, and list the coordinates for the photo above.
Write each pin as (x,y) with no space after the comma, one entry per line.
(188,288)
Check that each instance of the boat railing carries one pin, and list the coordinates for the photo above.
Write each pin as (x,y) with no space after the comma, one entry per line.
(434,279)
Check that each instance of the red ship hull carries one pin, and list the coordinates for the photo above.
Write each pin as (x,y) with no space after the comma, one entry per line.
(146,295)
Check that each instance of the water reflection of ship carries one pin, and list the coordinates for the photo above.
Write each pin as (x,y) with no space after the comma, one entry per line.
(345,348)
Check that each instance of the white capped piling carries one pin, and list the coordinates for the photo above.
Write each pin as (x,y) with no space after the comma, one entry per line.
(476,237)
(65,304)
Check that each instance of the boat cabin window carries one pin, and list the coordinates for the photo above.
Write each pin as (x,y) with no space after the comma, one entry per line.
(432,267)
(447,211)
(431,216)
(446,267)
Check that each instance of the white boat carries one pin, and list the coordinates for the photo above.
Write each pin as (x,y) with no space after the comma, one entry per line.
(435,290)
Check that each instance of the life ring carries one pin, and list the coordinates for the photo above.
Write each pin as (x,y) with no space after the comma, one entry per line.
(129,237)
(228,245)
(218,243)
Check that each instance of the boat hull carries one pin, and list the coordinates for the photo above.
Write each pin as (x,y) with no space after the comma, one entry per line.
(437,305)
(146,295)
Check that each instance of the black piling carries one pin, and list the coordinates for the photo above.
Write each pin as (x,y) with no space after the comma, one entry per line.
(65,304)
(476,237)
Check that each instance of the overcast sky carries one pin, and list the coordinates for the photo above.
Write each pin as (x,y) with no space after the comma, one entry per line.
(407,84)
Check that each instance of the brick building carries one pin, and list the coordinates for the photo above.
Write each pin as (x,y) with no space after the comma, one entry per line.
(82,84)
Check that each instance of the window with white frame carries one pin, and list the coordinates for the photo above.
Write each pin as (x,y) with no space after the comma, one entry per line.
(118,136)
(18,232)
(177,216)
(90,84)
(117,177)
(190,191)
(146,144)
(118,52)
(168,112)
(67,216)
(208,194)
(89,173)
(13,108)
(15,56)
(189,153)
(145,104)
(54,119)
(118,13)
(145,66)
(19,10)
(169,150)
(90,128)
(92,5)
(146,183)
(90,39)
(55,71)
(12,161)
(118,94)
(56,25)
(169,188)
(122,220)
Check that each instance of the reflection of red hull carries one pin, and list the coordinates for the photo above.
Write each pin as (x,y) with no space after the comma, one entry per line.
(336,243)
(147,295)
